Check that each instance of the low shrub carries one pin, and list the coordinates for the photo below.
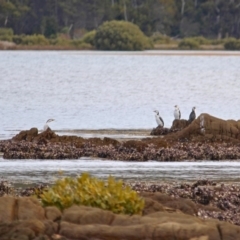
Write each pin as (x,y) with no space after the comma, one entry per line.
(158,38)
(80,44)
(18,39)
(121,35)
(6,34)
(59,41)
(232,44)
(187,43)
(36,39)
(200,40)
(89,191)
(89,37)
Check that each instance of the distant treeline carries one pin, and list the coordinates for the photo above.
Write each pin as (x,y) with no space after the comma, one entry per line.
(176,18)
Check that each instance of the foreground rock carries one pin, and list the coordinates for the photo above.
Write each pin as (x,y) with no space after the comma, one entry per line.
(24,218)
(206,138)
(205,199)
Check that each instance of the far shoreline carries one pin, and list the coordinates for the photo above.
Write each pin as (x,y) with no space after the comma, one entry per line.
(151,52)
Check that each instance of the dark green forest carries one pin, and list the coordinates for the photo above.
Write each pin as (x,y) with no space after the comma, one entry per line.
(213,19)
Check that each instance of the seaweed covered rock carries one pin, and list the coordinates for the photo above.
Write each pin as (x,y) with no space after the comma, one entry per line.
(27,135)
(208,127)
(159,130)
(46,135)
(179,124)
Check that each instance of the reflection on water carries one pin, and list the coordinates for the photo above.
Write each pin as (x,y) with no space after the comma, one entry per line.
(95,90)
(46,171)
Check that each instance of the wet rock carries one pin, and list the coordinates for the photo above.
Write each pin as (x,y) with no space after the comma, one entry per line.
(46,135)
(160,131)
(27,135)
(5,188)
(178,125)
(207,138)
(205,199)
(134,144)
(210,128)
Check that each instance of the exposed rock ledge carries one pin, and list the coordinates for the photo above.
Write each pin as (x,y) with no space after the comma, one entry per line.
(206,138)
(24,218)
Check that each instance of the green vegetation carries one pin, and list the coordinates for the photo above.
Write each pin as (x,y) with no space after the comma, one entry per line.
(83,24)
(35,39)
(120,35)
(158,38)
(179,19)
(189,43)
(86,190)
(89,37)
(232,44)
(6,34)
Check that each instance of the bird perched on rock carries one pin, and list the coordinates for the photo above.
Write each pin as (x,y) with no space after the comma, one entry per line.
(177,113)
(192,115)
(46,125)
(158,118)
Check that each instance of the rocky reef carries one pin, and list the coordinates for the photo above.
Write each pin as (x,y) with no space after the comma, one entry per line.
(206,138)
(200,211)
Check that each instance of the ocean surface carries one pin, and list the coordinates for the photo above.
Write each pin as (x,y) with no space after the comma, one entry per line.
(93,90)
(25,172)
(113,90)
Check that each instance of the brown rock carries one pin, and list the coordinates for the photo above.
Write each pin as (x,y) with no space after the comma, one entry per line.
(178,125)
(152,206)
(139,145)
(164,231)
(108,141)
(30,208)
(53,213)
(212,128)
(177,217)
(7,209)
(200,238)
(87,215)
(160,131)
(179,231)
(50,227)
(46,135)
(157,142)
(21,229)
(27,135)
(104,232)
(125,220)
(228,231)
(182,204)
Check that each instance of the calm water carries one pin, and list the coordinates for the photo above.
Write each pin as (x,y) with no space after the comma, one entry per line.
(46,171)
(119,90)
(96,90)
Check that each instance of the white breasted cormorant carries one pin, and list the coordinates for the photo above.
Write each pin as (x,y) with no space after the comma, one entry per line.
(46,125)
(159,120)
(177,113)
(192,115)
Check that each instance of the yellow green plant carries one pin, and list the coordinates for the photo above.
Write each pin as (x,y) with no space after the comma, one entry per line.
(89,191)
